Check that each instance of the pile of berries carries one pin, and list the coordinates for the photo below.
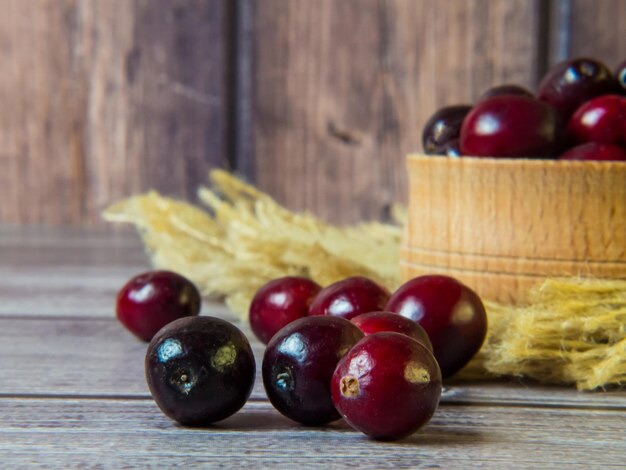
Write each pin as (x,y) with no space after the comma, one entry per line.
(349,350)
(578,113)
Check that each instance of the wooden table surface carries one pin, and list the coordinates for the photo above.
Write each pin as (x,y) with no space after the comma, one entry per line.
(73,394)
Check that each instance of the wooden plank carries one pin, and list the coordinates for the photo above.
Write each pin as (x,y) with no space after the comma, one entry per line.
(107,99)
(598,29)
(97,357)
(122,433)
(344,88)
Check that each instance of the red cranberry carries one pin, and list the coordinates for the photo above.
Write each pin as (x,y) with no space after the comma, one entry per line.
(378,322)
(349,298)
(200,370)
(569,84)
(620,75)
(443,127)
(511,126)
(278,303)
(599,120)
(451,313)
(595,151)
(505,90)
(299,362)
(151,300)
(388,386)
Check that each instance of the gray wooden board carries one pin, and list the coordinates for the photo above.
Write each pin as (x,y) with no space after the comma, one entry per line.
(73,394)
(97,357)
(116,433)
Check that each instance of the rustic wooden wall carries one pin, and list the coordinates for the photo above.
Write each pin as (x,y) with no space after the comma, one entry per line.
(315,101)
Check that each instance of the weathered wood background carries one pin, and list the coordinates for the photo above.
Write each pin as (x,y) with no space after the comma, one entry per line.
(317,102)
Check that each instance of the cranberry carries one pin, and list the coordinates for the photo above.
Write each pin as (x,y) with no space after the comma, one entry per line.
(377,322)
(569,84)
(453,149)
(443,127)
(595,151)
(278,303)
(620,74)
(200,370)
(387,386)
(299,362)
(511,126)
(505,90)
(349,298)
(451,313)
(599,120)
(151,300)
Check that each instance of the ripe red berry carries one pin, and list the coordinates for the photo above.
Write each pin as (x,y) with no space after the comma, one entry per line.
(569,84)
(511,126)
(278,303)
(349,298)
(379,322)
(451,313)
(299,362)
(503,90)
(387,386)
(600,120)
(151,300)
(595,151)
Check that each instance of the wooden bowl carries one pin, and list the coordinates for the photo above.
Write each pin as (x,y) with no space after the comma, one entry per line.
(503,225)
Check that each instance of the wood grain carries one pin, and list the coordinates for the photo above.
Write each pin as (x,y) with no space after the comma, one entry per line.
(105,99)
(343,89)
(73,395)
(503,226)
(122,433)
(598,29)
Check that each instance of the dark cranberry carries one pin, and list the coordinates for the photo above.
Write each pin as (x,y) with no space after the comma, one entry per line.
(505,90)
(453,149)
(349,298)
(278,303)
(620,74)
(151,300)
(299,362)
(511,126)
(569,84)
(451,313)
(599,120)
(200,370)
(388,386)
(378,322)
(595,151)
(443,127)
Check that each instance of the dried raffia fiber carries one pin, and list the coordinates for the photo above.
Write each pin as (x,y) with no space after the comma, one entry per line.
(572,331)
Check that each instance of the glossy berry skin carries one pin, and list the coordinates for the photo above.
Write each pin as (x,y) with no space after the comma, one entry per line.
(378,322)
(451,313)
(349,298)
(388,386)
(200,370)
(153,299)
(620,75)
(442,128)
(594,151)
(505,90)
(299,362)
(278,303)
(600,120)
(511,126)
(569,84)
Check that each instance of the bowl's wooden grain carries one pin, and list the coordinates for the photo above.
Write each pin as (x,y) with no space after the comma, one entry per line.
(502,226)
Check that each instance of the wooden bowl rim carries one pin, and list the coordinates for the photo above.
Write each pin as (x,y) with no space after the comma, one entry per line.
(491,162)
